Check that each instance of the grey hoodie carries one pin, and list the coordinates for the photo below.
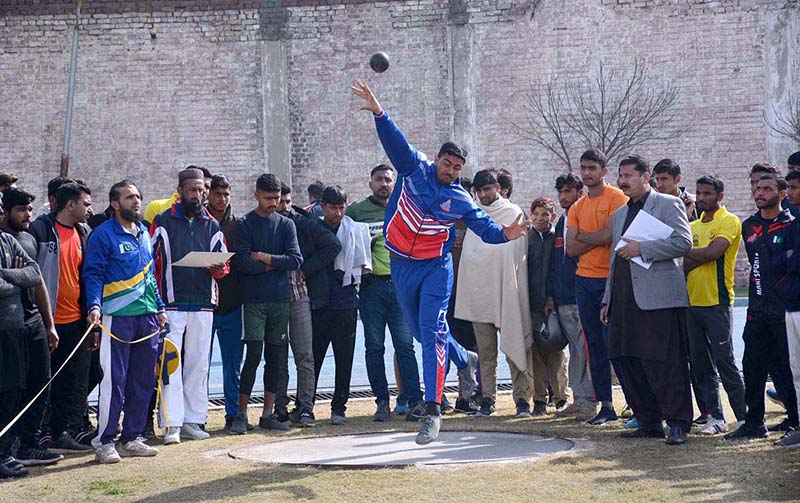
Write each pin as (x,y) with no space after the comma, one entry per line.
(14,281)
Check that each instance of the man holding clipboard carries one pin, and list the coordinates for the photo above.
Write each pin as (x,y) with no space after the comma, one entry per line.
(187,282)
(645,303)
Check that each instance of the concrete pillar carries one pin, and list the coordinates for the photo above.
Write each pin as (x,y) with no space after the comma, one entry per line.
(782,53)
(464,79)
(276,140)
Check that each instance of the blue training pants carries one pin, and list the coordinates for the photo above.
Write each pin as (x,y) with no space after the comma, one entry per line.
(423,291)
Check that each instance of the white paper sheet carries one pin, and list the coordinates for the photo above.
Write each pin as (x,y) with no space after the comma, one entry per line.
(645,227)
(202,259)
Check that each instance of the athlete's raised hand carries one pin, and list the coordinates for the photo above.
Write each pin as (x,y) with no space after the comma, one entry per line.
(361,89)
(517,229)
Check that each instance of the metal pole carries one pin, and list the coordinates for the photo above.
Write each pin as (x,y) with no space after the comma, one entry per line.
(64,171)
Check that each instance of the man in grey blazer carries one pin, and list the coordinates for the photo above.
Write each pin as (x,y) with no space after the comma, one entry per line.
(645,309)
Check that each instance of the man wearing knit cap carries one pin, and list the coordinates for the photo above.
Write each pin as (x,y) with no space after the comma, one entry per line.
(190,295)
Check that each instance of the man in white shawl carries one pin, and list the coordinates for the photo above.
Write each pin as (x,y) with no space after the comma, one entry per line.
(492,293)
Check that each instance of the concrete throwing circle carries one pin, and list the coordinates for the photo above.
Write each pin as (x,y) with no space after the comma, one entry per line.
(395,449)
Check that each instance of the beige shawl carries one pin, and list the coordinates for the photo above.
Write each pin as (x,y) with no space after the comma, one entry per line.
(492,284)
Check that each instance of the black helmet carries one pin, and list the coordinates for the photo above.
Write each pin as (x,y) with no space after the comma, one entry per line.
(548,336)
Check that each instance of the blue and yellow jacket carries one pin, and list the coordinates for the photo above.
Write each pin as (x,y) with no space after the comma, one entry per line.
(118,271)
(421,212)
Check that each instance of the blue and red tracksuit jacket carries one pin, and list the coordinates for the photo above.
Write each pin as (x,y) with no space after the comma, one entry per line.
(421,212)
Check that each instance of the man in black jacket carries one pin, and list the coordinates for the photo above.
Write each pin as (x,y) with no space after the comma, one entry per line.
(546,364)
(319,248)
(190,294)
(765,346)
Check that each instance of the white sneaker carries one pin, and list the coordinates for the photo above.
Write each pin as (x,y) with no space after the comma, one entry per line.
(136,448)
(714,427)
(193,431)
(106,454)
(173,436)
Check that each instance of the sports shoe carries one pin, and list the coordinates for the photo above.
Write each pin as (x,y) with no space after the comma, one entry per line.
(561,405)
(401,408)
(8,473)
(136,449)
(282,415)
(417,412)
(539,409)
(383,412)
(85,437)
(106,454)
(429,430)
(487,407)
(631,423)
(466,376)
(702,418)
(306,419)
(193,431)
(747,432)
(239,424)
(465,406)
(272,422)
(67,445)
(35,456)
(790,440)
(784,425)
(714,426)
(173,436)
(773,396)
(604,416)
(569,410)
(338,418)
(12,463)
(447,405)
(523,408)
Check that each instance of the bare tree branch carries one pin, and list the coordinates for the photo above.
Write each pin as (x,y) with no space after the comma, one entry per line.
(786,120)
(610,112)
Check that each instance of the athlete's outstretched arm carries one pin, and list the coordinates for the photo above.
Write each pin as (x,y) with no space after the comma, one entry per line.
(403,156)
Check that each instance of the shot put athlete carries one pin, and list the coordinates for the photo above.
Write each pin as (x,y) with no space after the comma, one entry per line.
(425,204)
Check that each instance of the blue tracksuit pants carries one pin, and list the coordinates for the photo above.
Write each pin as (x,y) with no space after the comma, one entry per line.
(423,291)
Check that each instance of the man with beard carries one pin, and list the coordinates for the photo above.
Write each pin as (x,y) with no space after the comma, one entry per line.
(190,294)
(716,237)
(61,244)
(310,290)
(589,227)
(122,294)
(644,309)
(41,334)
(422,210)
(561,299)
(378,303)
(18,272)
(765,342)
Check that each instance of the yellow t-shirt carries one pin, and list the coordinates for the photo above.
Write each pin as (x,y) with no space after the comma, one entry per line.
(589,214)
(158,206)
(711,284)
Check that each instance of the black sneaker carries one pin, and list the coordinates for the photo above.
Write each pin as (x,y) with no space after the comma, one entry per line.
(306,419)
(294,416)
(417,412)
(8,473)
(523,408)
(466,406)
(34,456)
(487,407)
(747,432)
(784,425)
(86,436)
(702,419)
(12,463)
(67,445)
(604,416)
(383,412)
(539,409)
(282,415)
